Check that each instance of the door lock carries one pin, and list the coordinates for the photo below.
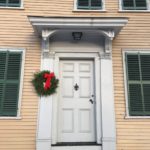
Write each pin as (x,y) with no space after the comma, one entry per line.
(91,101)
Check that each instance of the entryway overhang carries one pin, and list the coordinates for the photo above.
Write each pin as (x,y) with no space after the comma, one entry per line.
(108,28)
(114,24)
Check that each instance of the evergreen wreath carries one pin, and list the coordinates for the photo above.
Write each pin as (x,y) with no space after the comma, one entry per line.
(45,83)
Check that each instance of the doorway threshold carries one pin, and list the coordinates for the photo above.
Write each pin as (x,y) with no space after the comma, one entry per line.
(77,144)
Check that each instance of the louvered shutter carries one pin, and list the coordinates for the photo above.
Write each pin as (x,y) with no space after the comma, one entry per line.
(9,85)
(2,77)
(138,79)
(134,4)
(145,72)
(134,86)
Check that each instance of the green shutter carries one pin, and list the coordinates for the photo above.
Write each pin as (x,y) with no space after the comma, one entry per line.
(90,4)
(10,3)
(134,4)
(9,85)
(138,81)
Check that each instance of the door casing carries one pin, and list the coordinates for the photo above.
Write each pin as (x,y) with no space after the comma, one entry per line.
(81,56)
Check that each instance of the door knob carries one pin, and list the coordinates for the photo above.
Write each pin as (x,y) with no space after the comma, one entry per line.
(76,87)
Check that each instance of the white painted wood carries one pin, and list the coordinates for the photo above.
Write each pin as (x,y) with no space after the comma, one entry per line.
(76,148)
(98,101)
(107,100)
(43,140)
(76,113)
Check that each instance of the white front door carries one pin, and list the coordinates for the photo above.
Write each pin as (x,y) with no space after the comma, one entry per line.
(76,103)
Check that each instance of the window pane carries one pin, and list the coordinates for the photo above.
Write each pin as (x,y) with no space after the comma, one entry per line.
(133,67)
(140,3)
(146,90)
(83,3)
(14,1)
(145,67)
(135,99)
(128,3)
(3,1)
(96,3)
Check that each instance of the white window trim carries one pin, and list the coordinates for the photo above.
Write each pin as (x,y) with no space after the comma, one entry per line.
(101,10)
(121,9)
(21,82)
(136,51)
(7,7)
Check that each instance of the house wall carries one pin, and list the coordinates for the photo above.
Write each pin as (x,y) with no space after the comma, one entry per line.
(17,32)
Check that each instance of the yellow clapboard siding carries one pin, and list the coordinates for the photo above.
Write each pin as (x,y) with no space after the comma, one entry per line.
(16,31)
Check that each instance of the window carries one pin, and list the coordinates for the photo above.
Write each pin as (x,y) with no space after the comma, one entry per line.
(89,4)
(10,69)
(138,83)
(134,4)
(10,3)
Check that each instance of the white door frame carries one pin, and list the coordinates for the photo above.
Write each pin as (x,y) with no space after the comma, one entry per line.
(96,61)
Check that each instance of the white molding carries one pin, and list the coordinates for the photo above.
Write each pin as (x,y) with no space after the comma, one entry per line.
(107,100)
(84,23)
(133,51)
(21,80)
(10,118)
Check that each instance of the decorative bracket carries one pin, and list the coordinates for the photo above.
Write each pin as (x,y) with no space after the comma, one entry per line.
(109,36)
(46,34)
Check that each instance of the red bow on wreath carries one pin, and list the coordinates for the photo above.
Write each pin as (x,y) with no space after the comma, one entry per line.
(48,77)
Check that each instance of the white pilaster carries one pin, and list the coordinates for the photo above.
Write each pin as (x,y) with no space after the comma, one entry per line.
(107,102)
(43,141)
